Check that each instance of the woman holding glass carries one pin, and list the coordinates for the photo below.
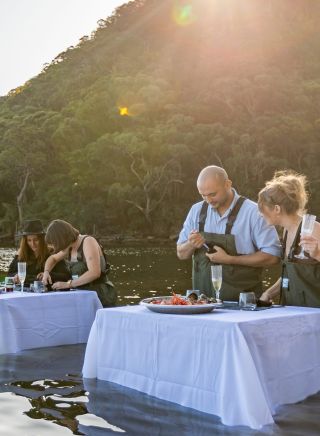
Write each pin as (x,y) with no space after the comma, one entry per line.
(33,252)
(282,202)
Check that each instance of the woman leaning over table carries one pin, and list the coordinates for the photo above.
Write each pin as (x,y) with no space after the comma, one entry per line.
(34,251)
(282,202)
(85,258)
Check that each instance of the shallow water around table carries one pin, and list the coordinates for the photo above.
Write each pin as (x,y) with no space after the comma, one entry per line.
(42,392)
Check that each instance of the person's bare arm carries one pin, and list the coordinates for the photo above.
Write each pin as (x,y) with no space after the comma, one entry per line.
(257,259)
(186,249)
(91,253)
(271,292)
(50,264)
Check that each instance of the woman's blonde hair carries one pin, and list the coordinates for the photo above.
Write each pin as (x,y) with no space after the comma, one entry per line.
(288,190)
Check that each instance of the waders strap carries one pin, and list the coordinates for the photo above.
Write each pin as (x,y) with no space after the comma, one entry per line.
(231,217)
(203,216)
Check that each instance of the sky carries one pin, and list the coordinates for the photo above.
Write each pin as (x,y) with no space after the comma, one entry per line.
(33,32)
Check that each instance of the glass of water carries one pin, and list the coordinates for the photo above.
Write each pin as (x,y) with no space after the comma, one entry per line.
(247,301)
(306,229)
(22,271)
(216,279)
(38,286)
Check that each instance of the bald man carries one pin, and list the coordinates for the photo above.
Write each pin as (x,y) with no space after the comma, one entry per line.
(239,238)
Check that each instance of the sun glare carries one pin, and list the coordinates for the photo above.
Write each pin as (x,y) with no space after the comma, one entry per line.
(183,14)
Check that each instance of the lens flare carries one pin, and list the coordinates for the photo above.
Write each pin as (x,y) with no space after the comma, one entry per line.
(183,14)
(123,110)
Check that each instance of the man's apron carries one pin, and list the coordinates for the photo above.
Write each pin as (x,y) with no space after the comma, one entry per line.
(304,277)
(235,278)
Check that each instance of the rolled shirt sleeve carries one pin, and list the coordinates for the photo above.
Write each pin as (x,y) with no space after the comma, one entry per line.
(265,237)
(191,223)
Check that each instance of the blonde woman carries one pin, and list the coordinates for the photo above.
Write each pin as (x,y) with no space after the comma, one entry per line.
(282,202)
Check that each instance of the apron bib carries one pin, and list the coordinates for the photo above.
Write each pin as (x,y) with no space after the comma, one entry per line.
(103,286)
(304,277)
(235,278)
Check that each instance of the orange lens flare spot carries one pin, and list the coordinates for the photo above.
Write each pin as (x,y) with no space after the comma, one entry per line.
(123,111)
(183,14)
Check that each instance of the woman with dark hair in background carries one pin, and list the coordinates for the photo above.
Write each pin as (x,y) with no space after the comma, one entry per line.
(34,251)
(85,257)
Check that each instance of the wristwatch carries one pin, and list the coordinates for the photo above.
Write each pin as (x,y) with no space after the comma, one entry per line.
(69,283)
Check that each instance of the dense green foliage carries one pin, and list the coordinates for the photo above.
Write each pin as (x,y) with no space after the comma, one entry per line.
(234,83)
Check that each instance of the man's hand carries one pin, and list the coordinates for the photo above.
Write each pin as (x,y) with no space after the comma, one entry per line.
(195,239)
(220,256)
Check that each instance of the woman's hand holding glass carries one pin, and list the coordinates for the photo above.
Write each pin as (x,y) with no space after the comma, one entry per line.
(311,246)
(306,230)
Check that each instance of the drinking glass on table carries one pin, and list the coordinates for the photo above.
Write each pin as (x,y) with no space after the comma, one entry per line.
(38,286)
(22,271)
(247,301)
(306,229)
(216,278)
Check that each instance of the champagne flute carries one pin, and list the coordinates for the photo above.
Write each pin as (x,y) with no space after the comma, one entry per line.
(216,278)
(22,271)
(306,229)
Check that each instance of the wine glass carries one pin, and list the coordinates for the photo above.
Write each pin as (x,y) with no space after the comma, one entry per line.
(216,278)
(306,229)
(22,271)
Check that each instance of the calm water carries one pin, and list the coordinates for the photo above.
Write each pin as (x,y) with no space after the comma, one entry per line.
(42,392)
(141,272)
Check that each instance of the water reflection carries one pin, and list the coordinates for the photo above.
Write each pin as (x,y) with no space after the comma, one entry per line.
(59,403)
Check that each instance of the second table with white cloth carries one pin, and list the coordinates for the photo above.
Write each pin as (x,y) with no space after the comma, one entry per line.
(30,320)
(238,365)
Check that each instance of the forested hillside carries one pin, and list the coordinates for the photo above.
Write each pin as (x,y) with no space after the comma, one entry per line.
(115,130)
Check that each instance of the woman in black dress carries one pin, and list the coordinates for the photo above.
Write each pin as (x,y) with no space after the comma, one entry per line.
(34,251)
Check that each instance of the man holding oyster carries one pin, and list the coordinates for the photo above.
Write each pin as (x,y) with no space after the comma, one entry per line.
(226,228)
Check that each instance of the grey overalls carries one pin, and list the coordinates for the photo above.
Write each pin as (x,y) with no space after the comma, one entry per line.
(235,278)
(304,277)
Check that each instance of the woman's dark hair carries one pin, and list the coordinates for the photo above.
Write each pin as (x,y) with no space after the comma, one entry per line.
(60,235)
(25,254)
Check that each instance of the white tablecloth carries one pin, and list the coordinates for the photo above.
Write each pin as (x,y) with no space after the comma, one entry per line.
(238,365)
(43,320)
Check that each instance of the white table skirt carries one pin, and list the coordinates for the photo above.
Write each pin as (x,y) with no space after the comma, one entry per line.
(43,320)
(238,365)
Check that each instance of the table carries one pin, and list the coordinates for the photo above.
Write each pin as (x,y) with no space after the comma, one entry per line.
(30,320)
(238,365)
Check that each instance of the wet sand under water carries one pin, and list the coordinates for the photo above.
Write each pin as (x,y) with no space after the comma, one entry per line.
(42,393)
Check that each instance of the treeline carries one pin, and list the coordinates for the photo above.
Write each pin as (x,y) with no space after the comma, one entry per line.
(114,131)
